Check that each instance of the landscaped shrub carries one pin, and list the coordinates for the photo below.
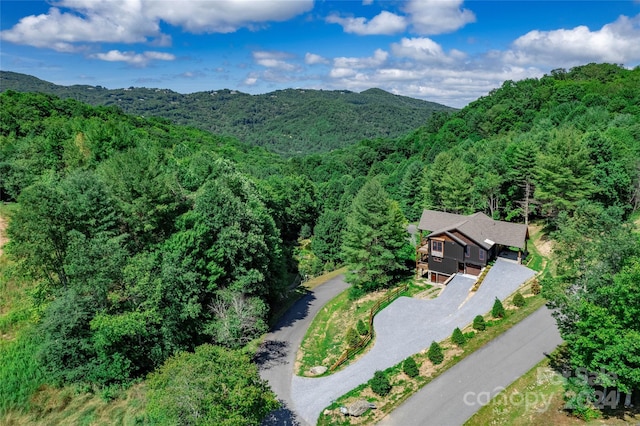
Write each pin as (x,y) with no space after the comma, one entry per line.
(518,300)
(535,287)
(435,353)
(362,328)
(478,323)
(457,337)
(410,367)
(380,383)
(353,338)
(498,310)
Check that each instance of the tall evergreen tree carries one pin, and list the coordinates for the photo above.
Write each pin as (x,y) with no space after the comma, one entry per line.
(563,173)
(411,191)
(374,235)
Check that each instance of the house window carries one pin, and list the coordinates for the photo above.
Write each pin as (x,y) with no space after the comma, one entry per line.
(481,254)
(437,248)
(467,251)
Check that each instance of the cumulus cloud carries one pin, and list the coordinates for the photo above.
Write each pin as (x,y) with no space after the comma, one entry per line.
(132,58)
(386,23)
(425,50)
(617,42)
(275,60)
(349,66)
(313,59)
(138,21)
(429,17)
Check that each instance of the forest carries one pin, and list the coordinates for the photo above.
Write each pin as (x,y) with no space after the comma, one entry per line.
(289,122)
(141,250)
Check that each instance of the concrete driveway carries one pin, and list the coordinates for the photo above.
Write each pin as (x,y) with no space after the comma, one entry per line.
(406,327)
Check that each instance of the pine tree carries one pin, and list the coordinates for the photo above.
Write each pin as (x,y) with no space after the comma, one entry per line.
(498,310)
(435,353)
(362,328)
(411,191)
(353,339)
(372,240)
(410,367)
(457,337)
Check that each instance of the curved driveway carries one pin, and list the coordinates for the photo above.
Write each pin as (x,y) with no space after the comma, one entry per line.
(277,354)
(403,328)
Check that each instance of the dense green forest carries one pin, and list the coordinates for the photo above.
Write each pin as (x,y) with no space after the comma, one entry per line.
(289,122)
(142,241)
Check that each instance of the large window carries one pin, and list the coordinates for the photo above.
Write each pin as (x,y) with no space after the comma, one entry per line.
(481,254)
(467,251)
(437,248)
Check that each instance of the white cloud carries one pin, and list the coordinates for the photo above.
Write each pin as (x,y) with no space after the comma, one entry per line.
(132,58)
(437,16)
(275,60)
(138,21)
(424,50)
(617,42)
(386,23)
(313,59)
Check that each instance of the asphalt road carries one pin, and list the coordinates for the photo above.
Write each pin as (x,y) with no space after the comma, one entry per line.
(456,395)
(277,354)
(408,326)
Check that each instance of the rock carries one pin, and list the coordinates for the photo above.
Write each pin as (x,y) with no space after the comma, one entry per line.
(359,407)
(318,370)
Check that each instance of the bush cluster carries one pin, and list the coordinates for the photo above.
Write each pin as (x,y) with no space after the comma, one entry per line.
(410,367)
(380,384)
(519,300)
(479,324)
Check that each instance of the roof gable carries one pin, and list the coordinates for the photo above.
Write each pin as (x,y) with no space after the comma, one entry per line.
(478,227)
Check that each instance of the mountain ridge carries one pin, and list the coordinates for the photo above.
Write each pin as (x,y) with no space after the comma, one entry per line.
(287,121)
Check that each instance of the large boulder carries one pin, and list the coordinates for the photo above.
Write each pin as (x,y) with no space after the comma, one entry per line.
(318,370)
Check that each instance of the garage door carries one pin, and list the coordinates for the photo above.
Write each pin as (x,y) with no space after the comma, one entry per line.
(473,269)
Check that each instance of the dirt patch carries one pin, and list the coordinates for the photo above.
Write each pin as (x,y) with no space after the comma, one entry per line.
(3,233)
(544,245)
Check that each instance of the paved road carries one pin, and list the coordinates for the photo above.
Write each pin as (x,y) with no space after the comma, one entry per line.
(458,393)
(408,326)
(276,357)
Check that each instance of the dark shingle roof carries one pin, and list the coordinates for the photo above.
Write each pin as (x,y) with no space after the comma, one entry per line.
(478,227)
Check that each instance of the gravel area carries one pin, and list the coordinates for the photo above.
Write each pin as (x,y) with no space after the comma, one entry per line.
(407,326)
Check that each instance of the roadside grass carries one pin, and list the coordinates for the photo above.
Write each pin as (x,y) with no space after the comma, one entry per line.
(404,387)
(67,406)
(325,340)
(536,398)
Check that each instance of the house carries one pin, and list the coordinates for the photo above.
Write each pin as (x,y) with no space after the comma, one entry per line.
(464,244)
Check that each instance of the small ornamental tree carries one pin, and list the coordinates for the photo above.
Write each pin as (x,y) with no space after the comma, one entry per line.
(435,353)
(478,323)
(410,367)
(535,287)
(498,310)
(457,337)
(362,328)
(352,338)
(380,383)
(518,300)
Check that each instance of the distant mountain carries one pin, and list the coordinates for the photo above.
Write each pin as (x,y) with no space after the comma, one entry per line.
(289,122)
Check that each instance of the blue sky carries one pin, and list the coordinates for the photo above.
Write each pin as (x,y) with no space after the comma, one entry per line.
(444,51)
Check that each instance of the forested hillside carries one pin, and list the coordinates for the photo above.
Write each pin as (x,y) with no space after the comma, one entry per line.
(289,122)
(138,239)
